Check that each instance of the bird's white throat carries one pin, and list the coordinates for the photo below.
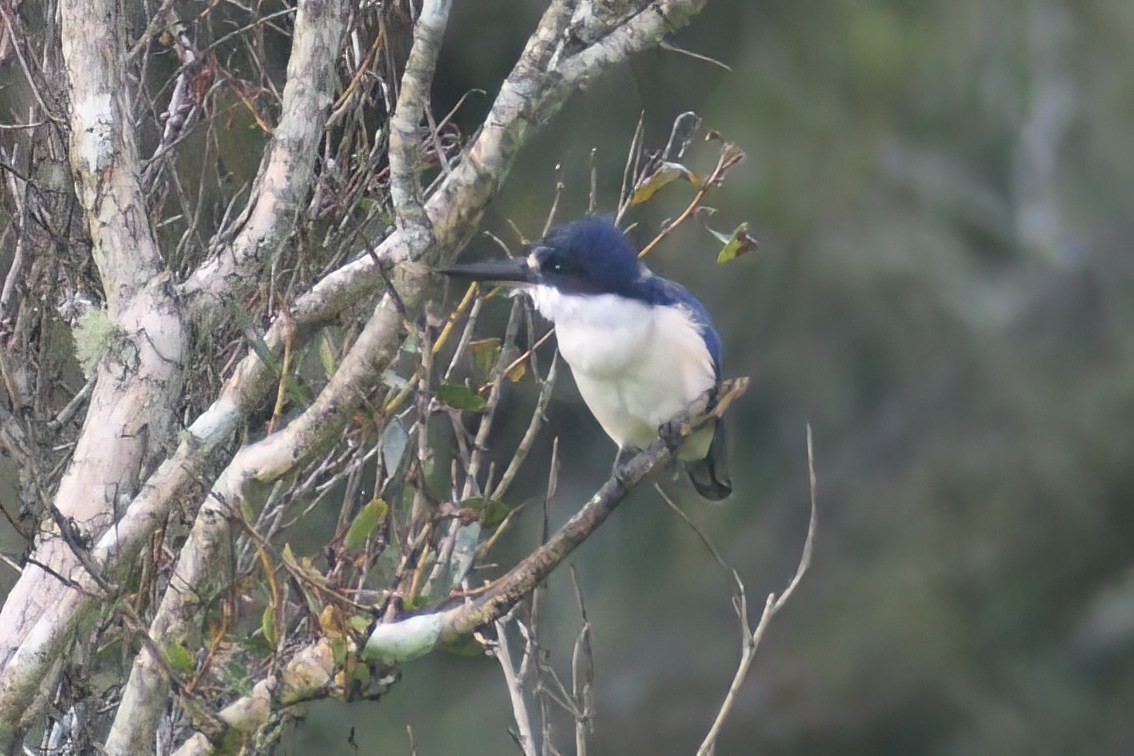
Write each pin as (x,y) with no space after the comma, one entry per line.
(635,364)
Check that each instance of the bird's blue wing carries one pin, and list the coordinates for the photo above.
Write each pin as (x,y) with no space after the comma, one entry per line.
(654,289)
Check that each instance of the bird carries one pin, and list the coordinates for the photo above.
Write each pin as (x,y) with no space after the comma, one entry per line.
(641,348)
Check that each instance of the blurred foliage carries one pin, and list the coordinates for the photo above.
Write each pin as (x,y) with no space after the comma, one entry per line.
(939,193)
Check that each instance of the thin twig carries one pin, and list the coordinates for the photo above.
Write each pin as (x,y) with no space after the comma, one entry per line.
(631,169)
(582,674)
(559,187)
(536,422)
(514,680)
(772,606)
(419,634)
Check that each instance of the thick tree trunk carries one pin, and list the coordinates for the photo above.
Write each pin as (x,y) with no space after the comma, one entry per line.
(128,471)
(129,421)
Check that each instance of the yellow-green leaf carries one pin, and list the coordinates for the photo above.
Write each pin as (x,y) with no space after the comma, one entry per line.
(517,372)
(737,244)
(369,517)
(245,509)
(485,352)
(268,625)
(664,174)
(492,511)
(461,397)
(179,658)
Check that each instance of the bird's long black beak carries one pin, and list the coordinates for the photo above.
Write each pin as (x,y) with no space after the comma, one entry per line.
(511,270)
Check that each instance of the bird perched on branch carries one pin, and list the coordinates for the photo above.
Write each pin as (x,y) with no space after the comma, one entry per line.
(641,347)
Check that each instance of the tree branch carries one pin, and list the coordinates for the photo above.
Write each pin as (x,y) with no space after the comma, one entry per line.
(420,634)
(140,377)
(772,606)
(413,100)
(529,97)
(312,670)
(288,169)
(265,461)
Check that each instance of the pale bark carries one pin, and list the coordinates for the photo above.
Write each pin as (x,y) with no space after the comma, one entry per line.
(129,421)
(133,406)
(282,186)
(280,190)
(308,670)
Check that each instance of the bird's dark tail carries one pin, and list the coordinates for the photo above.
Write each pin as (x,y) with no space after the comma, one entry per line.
(710,475)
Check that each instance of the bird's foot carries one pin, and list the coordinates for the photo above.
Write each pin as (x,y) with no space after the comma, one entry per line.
(671,433)
(625,454)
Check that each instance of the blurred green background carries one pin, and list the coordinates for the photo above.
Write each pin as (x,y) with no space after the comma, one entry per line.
(942,194)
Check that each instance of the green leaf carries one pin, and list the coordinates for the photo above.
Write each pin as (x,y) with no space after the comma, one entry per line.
(436,479)
(664,174)
(251,333)
(327,355)
(492,511)
(299,394)
(179,658)
(268,625)
(485,352)
(360,623)
(360,675)
(461,397)
(338,650)
(369,517)
(245,508)
(736,244)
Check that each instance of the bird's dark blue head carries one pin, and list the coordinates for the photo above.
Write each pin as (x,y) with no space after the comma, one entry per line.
(590,256)
(585,256)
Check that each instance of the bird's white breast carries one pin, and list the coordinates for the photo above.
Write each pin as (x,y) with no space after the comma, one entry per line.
(635,364)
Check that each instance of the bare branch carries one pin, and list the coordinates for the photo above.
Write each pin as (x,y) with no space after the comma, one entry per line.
(772,606)
(413,101)
(132,405)
(537,420)
(186,100)
(268,460)
(140,378)
(288,168)
(582,674)
(515,680)
(418,635)
(311,668)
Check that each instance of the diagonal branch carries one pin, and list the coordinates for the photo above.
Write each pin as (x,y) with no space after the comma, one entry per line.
(311,670)
(288,169)
(144,697)
(140,376)
(529,98)
(413,100)
(420,634)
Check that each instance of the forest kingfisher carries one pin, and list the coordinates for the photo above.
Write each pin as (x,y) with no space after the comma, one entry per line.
(641,347)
